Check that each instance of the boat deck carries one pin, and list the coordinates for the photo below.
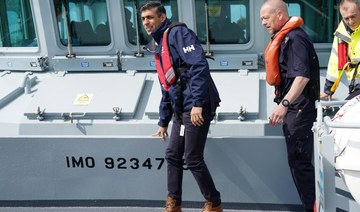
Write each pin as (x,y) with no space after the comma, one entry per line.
(109,209)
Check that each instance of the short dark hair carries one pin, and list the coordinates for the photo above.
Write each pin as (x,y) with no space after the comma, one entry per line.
(160,9)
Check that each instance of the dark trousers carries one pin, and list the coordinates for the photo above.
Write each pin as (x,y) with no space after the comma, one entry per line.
(299,141)
(191,148)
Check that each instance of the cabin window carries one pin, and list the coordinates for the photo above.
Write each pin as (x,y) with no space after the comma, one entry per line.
(131,6)
(16,24)
(84,23)
(228,21)
(320,18)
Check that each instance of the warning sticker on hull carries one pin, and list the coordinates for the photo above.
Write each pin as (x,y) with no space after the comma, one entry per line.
(83,99)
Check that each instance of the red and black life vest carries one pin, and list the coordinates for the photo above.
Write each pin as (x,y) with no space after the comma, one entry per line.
(164,68)
(167,74)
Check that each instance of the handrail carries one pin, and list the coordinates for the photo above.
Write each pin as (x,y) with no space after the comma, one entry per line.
(319,106)
(335,124)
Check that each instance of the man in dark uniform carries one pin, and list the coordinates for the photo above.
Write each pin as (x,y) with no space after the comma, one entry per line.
(296,94)
(192,99)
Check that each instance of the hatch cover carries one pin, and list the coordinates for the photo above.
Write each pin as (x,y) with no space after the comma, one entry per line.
(236,91)
(87,96)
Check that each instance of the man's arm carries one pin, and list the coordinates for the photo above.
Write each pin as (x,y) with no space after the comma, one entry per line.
(191,52)
(165,115)
(296,89)
(165,109)
(332,71)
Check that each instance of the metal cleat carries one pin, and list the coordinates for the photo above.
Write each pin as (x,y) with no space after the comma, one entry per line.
(117,112)
(242,113)
(40,114)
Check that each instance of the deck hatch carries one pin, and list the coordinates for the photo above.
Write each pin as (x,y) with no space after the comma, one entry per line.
(87,96)
(237,92)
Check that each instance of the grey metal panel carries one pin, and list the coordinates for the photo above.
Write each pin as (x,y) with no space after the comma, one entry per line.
(323,58)
(129,62)
(233,61)
(59,96)
(44,169)
(86,63)
(23,63)
(11,86)
(237,91)
(220,62)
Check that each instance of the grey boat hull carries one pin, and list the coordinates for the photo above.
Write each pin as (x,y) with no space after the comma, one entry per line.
(125,170)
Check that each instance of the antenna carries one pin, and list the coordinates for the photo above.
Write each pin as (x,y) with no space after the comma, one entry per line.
(138,52)
(70,53)
(208,52)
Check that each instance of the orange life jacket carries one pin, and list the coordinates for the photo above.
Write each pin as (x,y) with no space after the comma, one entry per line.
(164,68)
(273,49)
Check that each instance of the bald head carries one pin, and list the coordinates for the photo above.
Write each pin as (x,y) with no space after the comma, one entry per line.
(274,14)
(276,5)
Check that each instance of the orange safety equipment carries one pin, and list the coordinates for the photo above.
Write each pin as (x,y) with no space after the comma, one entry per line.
(273,49)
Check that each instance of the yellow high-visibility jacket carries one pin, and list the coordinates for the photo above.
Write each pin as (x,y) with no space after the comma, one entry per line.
(353,41)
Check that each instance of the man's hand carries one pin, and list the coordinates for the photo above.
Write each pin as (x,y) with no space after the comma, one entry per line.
(325,96)
(277,116)
(196,116)
(161,132)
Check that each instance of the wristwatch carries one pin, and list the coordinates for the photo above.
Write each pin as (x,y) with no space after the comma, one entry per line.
(285,103)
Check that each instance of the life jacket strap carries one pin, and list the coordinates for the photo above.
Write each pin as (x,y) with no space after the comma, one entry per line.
(347,66)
